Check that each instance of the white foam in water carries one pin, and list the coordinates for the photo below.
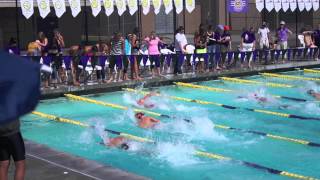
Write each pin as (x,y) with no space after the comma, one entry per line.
(312,108)
(86,137)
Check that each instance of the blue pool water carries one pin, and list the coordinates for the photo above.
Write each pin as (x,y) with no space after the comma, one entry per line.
(173,155)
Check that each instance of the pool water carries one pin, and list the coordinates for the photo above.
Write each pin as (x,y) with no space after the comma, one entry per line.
(172,157)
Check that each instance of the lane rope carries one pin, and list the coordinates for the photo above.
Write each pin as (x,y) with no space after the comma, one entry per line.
(288,77)
(313,71)
(244,81)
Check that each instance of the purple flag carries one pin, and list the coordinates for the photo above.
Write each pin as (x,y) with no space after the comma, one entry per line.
(238,6)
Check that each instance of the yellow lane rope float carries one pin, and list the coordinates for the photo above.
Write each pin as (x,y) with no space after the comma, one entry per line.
(244,81)
(197,152)
(293,140)
(311,71)
(289,77)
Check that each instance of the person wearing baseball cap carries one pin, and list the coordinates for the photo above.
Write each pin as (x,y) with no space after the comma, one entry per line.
(283,34)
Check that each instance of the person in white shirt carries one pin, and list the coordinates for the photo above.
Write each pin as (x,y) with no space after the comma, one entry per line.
(263,34)
(180,47)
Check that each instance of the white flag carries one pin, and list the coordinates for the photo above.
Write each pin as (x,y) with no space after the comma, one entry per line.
(27,8)
(44,7)
(259,5)
(308,4)
(108,6)
(75,7)
(59,7)
(95,7)
(293,5)
(301,5)
(190,5)
(156,6)
(277,5)
(285,5)
(121,6)
(133,6)
(315,4)
(168,6)
(179,6)
(145,6)
(269,5)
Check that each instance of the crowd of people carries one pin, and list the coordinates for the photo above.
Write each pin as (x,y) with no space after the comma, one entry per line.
(133,57)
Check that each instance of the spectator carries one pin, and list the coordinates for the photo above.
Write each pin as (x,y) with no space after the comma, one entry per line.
(248,41)
(282,35)
(264,36)
(200,41)
(43,43)
(55,51)
(180,47)
(217,45)
(225,44)
(210,44)
(117,47)
(127,53)
(13,47)
(154,55)
(135,51)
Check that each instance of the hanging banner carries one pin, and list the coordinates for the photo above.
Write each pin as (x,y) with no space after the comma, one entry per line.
(156,6)
(293,5)
(238,6)
(59,7)
(269,5)
(277,5)
(133,6)
(179,6)
(145,6)
(315,4)
(301,5)
(259,5)
(285,5)
(308,4)
(44,7)
(27,8)
(75,7)
(168,6)
(190,5)
(95,7)
(121,6)
(108,6)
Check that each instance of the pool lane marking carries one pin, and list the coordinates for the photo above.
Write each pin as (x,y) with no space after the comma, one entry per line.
(289,77)
(233,107)
(298,141)
(244,81)
(313,71)
(197,152)
(208,88)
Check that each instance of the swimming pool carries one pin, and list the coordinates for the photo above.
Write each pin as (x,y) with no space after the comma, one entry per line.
(174,154)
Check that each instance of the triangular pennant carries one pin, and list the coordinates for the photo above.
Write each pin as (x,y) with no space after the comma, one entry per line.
(59,7)
(145,6)
(301,5)
(27,8)
(44,7)
(277,5)
(168,6)
(95,7)
(293,5)
(285,5)
(108,6)
(259,5)
(75,7)
(156,6)
(308,4)
(190,5)
(315,5)
(179,6)
(121,6)
(269,5)
(133,6)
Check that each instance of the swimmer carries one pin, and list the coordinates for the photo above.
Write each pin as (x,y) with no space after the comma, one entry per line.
(143,101)
(314,94)
(118,142)
(256,97)
(145,121)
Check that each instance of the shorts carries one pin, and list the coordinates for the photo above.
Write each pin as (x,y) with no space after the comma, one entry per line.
(12,145)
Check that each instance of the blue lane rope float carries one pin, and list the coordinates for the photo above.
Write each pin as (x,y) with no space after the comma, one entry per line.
(272,136)
(197,152)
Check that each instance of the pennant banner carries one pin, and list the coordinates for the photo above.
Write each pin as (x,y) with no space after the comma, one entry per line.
(293,5)
(75,7)
(269,5)
(259,5)
(301,5)
(133,6)
(190,5)
(168,6)
(108,6)
(59,7)
(179,6)
(145,6)
(156,6)
(308,4)
(277,5)
(315,4)
(95,7)
(121,6)
(285,5)
(27,8)
(44,7)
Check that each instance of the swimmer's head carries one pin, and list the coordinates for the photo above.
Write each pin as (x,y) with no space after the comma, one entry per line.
(124,146)
(139,115)
(310,92)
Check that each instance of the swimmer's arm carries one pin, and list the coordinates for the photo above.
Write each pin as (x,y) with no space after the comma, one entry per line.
(154,120)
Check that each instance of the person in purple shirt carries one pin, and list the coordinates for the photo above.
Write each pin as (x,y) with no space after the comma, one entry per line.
(283,34)
(248,43)
(12,47)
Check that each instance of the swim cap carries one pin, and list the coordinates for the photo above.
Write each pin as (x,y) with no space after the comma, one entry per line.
(124,146)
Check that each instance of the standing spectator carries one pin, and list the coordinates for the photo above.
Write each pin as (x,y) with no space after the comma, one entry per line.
(127,52)
(200,41)
(180,47)
(43,43)
(217,45)
(55,51)
(153,49)
(283,34)
(264,36)
(210,44)
(13,47)
(117,46)
(316,36)
(135,51)
(225,44)
(248,43)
